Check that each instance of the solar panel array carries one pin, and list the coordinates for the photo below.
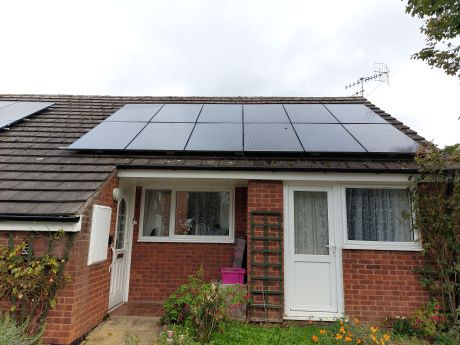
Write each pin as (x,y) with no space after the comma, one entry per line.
(12,112)
(246,127)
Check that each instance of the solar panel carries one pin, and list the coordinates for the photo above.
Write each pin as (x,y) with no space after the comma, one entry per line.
(135,113)
(354,113)
(108,136)
(5,103)
(326,138)
(15,111)
(264,113)
(221,113)
(309,113)
(274,137)
(162,137)
(382,138)
(178,113)
(216,137)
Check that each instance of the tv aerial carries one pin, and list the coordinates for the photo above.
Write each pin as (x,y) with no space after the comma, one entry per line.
(381,75)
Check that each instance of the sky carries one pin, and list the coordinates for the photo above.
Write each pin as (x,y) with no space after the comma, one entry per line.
(227,48)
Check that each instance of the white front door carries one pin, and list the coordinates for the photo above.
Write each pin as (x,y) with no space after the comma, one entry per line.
(311,260)
(119,269)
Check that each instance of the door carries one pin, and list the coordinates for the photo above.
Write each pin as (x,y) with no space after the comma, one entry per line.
(312,291)
(119,268)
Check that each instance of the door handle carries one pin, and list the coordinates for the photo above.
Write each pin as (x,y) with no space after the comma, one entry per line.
(332,248)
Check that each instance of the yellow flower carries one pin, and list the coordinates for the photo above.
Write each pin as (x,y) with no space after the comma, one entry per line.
(382,341)
(374,329)
(386,337)
(341,323)
(347,339)
(374,339)
(322,331)
(342,329)
(338,336)
(314,338)
(358,341)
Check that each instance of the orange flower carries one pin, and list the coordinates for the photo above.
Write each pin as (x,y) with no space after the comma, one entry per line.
(338,336)
(347,339)
(314,338)
(342,329)
(358,341)
(322,331)
(386,337)
(356,321)
(374,329)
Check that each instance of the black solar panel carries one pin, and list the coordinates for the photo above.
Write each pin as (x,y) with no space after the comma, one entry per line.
(326,138)
(11,112)
(178,113)
(270,137)
(354,113)
(216,137)
(382,138)
(309,113)
(264,113)
(162,137)
(221,113)
(135,113)
(109,136)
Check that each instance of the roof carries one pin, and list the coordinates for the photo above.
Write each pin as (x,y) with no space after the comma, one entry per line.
(39,177)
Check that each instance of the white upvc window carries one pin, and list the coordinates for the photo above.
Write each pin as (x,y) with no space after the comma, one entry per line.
(374,218)
(187,214)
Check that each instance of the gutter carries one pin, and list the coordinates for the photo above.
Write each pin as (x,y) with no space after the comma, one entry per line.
(40,218)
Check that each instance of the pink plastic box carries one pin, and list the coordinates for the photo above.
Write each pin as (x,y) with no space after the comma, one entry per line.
(232,275)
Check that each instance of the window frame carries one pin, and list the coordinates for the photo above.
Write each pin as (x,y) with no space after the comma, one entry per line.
(172,237)
(374,245)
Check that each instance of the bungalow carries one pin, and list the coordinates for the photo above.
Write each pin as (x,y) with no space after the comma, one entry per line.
(151,188)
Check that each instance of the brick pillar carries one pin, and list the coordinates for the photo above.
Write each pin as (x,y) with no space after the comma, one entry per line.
(265,196)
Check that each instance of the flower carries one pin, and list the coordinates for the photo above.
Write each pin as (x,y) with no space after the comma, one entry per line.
(338,336)
(322,331)
(314,338)
(386,336)
(356,321)
(374,329)
(342,329)
(358,341)
(348,339)
(170,334)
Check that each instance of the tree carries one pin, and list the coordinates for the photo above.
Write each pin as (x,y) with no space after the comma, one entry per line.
(442,30)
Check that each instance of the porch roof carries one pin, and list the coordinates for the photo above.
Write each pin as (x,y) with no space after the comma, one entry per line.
(40,178)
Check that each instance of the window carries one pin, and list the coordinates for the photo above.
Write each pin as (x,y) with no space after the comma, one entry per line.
(376,215)
(187,215)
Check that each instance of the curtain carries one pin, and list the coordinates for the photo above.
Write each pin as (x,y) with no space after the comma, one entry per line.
(157,205)
(121,225)
(376,215)
(209,213)
(311,229)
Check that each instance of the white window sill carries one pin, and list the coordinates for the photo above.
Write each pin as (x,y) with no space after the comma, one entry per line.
(370,245)
(186,240)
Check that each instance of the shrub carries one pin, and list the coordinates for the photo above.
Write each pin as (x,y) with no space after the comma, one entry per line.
(400,325)
(176,336)
(202,304)
(12,332)
(429,321)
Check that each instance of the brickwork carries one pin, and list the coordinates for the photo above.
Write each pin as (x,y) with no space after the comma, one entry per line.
(265,196)
(381,283)
(82,303)
(157,269)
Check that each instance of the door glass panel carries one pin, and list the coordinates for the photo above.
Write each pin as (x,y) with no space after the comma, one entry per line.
(121,225)
(311,229)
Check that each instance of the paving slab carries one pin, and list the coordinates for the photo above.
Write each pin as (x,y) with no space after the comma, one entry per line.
(113,330)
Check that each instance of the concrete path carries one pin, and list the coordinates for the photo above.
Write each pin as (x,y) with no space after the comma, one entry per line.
(112,331)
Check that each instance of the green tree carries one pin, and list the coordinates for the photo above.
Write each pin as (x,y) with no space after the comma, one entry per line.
(442,30)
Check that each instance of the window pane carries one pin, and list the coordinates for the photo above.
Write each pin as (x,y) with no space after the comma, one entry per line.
(121,225)
(157,205)
(311,229)
(203,213)
(376,215)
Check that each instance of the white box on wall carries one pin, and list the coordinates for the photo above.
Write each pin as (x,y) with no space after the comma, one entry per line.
(100,229)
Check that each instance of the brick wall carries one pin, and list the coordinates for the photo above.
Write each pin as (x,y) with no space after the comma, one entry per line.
(265,196)
(380,283)
(82,303)
(157,269)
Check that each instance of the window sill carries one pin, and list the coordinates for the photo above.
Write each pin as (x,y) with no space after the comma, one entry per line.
(187,240)
(396,246)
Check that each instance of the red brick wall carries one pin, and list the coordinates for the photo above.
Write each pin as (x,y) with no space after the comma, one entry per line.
(265,196)
(380,283)
(82,303)
(157,269)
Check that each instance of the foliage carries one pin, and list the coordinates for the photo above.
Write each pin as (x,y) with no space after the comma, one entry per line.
(202,304)
(131,339)
(442,30)
(400,325)
(429,321)
(452,337)
(351,332)
(435,196)
(177,335)
(12,332)
(29,282)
